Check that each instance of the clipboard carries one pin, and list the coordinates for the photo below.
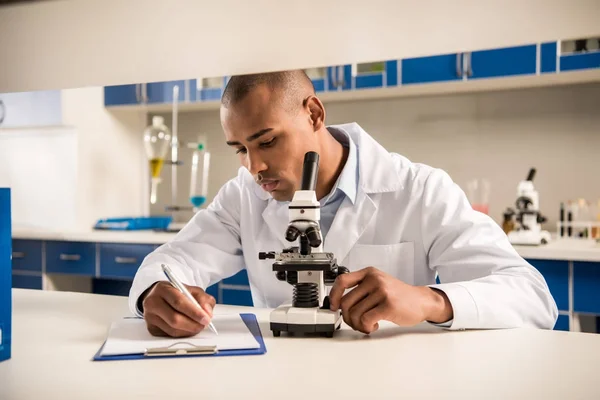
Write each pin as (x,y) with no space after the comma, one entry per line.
(199,351)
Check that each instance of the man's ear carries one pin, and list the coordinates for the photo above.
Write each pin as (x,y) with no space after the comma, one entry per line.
(316,112)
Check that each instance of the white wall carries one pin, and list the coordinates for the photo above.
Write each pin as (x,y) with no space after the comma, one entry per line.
(111,162)
(75,43)
(496,135)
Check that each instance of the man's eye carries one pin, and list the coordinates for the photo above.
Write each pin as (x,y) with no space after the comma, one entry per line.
(242,150)
(268,143)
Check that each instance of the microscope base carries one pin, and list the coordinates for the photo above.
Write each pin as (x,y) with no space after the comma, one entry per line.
(296,320)
(529,237)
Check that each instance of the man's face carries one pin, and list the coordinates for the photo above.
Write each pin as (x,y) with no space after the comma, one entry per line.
(270,140)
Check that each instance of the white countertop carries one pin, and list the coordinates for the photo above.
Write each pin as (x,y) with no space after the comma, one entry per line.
(563,249)
(92,235)
(56,334)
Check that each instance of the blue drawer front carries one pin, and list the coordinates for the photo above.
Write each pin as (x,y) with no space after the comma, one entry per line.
(562,323)
(369,81)
(431,69)
(122,260)
(26,282)
(548,57)
(27,255)
(162,92)
(241,278)
(504,62)
(573,62)
(586,281)
(556,274)
(78,258)
(120,95)
(237,297)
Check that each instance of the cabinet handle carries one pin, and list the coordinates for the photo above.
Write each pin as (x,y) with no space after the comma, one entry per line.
(459,65)
(342,81)
(18,254)
(126,260)
(69,257)
(2,111)
(144,93)
(469,64)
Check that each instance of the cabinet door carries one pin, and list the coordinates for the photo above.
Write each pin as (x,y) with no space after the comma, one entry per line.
(339,78)
(441,68)
(237,297)
(548,57)
(30,109)
(502,62)
(574,62)
(207,89)
(26,282)
(376,75)
(586,287)
(77,258)
(122,95)
(162,92)
(27,255)
(120,260)
(556,274)
(562,323)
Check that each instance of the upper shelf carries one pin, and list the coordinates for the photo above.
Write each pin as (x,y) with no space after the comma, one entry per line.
(527,66)
(426,89)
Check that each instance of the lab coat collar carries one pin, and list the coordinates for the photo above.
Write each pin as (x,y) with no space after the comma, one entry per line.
(376,170)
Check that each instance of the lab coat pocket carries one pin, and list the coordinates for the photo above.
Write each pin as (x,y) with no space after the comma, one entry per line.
(395,259)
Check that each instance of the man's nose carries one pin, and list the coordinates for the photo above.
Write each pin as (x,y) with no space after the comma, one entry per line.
(255,163)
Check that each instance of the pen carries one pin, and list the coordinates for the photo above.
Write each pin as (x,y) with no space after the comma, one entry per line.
(179,286)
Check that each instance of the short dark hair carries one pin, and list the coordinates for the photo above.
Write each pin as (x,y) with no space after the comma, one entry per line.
(292,85)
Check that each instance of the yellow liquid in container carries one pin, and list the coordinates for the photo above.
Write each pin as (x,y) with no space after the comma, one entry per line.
(156,166)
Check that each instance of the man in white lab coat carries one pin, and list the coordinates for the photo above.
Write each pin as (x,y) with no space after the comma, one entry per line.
(392,222)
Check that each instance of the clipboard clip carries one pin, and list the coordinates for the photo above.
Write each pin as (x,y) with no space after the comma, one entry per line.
(178,351)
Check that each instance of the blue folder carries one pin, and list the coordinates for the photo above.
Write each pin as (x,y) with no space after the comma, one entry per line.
(250,321)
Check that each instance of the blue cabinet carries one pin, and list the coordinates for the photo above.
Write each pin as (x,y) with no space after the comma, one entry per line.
(508,61)
(578,61)
(162,92)
(548,57)
(207,89)
(556,274)
(339,78)
(118,260)
(562,323)
(30,109)
(27,255)
(376,75)
(122,95)
(439,68)
(76,258)
(239,279)
(26,281)
(236,297)
(586,284)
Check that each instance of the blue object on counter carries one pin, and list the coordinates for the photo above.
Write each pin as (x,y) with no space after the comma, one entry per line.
(130,223)
(197,201)
(5,274)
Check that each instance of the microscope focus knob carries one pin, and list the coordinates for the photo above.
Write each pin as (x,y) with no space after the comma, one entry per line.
(342,270)
(266,255)
(281,276)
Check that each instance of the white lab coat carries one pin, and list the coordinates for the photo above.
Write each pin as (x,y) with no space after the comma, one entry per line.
(409,220)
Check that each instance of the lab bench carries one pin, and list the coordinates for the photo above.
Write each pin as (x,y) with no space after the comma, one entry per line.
(108,260)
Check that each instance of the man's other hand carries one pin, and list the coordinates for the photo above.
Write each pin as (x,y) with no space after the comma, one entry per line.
(377,296)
